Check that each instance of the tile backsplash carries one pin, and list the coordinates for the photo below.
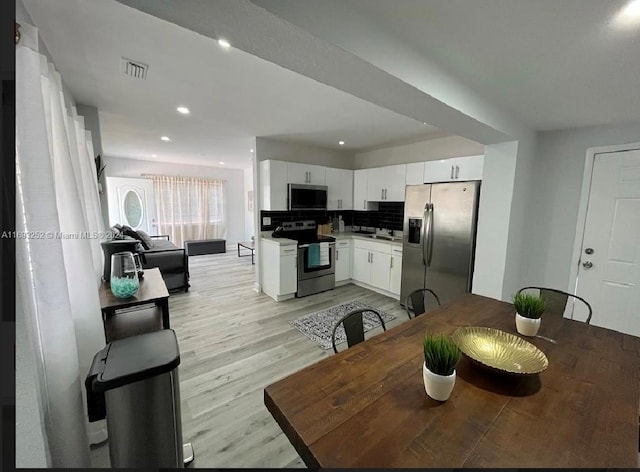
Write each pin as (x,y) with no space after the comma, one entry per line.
(390,215)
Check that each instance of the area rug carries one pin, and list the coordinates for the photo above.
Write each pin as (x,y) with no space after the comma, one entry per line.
(318,326)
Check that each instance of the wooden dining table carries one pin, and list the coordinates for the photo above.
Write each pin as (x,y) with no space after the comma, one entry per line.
(367,407)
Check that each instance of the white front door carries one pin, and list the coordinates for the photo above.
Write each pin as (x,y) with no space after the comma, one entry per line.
(132,203)
(609,273)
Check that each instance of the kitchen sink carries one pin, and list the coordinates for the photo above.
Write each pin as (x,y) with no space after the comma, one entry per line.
(382,236)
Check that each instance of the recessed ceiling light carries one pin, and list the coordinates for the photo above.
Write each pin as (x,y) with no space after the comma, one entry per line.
(629,15)
(165,138)
(224,43)
(183,110)
(424,122)
(341,143)
(221,162)
(154,155)
(250,150)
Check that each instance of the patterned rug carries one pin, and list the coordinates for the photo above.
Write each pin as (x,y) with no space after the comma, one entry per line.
(318,326)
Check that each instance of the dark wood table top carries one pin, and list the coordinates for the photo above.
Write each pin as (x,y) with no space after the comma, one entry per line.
(152,288)
(367,407)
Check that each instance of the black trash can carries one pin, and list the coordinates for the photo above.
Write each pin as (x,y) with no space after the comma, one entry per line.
(133,382)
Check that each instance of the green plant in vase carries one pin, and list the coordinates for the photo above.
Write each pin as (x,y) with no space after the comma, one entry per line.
(529,309)
(441,356)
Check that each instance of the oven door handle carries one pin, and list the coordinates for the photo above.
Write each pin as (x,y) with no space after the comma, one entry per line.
(307,245)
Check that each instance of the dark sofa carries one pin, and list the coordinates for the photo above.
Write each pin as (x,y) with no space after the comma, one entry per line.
(158,251)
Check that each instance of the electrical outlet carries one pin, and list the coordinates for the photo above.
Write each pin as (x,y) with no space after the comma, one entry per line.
(266,221)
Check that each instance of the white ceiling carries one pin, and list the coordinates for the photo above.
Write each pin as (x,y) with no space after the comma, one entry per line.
(233,96)
(553,63)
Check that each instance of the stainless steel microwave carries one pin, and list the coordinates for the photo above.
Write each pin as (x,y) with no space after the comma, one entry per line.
(307,197)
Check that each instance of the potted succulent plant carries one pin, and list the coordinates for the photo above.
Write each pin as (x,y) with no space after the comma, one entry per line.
(529,309)
(441,356)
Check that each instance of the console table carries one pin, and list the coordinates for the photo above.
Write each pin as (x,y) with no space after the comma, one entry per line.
(152,291)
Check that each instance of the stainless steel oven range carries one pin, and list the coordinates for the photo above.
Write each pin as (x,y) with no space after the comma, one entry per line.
(316,256)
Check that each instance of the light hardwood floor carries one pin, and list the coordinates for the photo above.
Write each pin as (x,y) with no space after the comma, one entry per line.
(233,343)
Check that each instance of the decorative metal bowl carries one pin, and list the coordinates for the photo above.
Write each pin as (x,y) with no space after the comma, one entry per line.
(499,350)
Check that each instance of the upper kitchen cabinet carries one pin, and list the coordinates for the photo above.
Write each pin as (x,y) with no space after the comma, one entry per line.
(340,189)
(458,168)
(360,180)
(273,180)
(386,184)
(306,174)
(415,173)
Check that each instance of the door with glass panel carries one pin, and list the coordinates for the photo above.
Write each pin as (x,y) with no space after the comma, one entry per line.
(132,203)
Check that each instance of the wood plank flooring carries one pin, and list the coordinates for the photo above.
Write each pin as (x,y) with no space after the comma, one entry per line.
(233,343)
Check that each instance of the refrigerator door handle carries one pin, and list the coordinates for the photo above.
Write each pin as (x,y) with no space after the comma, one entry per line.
(430,248)
(424,232)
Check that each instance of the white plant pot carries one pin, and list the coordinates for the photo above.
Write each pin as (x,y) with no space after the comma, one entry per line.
(438,387)
(527,326)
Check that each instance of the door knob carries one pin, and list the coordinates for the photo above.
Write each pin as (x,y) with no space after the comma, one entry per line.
(587,264)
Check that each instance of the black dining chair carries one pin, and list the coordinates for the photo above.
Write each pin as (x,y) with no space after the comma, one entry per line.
(354,327)
(416,302)
(556,300)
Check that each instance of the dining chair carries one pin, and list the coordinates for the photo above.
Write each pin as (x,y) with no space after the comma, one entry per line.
(416,301)
(557,299)
(354,327)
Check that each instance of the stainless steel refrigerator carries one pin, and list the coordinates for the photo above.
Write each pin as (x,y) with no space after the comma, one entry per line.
(439,239)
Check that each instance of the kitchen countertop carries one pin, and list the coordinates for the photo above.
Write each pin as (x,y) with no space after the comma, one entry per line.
(266,236)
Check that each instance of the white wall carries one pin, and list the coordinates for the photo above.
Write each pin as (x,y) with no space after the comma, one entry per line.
(554,197)
(270,148)
(248,215)
(427,150)
(496,195)
(119,167)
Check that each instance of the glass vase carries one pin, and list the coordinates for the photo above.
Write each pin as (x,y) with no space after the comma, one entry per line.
(124,275)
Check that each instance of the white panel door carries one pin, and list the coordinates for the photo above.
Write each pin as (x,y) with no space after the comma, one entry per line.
(343,263)
(340,189)
(394,182)
(396,271)
(273,180)
(380,270)
(415,174)
(131,202)
(469,168)
(360,184)
(439,171)
(375,184)
(288,274)
(361,265)
(609,275)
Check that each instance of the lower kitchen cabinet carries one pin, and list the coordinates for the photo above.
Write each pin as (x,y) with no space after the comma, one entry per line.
(380,270)
(343,260)
(279,268)
(377,265)
(396,271)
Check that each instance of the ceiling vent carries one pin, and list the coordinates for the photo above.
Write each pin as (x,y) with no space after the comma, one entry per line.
(134,69)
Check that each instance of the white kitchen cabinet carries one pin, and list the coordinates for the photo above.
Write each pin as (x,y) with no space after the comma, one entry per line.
(343,260)
(360,182)
(288,273)
(380,270)
(457,168)
(305,174)
(279,269)
(415,173)
(273,180)
(339,189)
(387,183)
(361,265)
(396,271)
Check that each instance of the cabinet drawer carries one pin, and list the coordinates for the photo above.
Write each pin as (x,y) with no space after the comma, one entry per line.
(384,248)
(345,243)
(288,250)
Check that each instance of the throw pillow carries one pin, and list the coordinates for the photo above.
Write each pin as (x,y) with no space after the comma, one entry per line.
(145,239)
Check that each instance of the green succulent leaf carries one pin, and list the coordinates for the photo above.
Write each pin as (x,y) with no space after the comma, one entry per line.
(441,355)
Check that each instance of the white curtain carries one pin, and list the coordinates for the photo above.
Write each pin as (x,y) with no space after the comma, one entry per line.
(190,208)
(58,256)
